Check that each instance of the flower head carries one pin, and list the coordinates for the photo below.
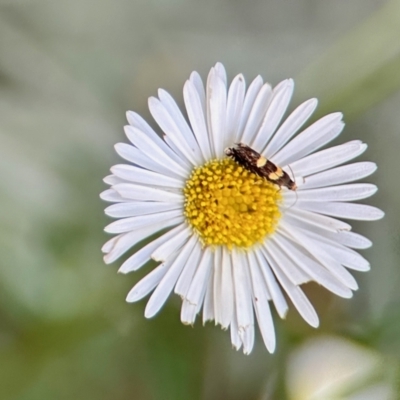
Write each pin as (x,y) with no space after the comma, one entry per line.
(235,231)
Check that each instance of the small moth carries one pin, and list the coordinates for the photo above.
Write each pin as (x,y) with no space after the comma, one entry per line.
(259,165)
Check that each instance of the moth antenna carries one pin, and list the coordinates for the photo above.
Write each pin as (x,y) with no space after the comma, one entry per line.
(293,204)
(293,177)
(295,191)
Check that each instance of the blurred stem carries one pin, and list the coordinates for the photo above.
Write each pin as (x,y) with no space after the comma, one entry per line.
(360,69)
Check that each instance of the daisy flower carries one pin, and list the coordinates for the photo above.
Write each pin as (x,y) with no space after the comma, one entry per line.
(230,241)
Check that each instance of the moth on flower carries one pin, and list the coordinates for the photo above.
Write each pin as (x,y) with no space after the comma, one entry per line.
(225,240)
(259,165)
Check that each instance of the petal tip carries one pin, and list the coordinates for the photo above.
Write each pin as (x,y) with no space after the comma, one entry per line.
(381,214)
(271,347)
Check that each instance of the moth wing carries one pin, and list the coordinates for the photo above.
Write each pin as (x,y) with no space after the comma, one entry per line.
(268,169)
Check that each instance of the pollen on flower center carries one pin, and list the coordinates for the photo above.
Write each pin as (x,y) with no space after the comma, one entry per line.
(228,205)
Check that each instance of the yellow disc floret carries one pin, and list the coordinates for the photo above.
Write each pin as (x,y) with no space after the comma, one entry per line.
(228,205)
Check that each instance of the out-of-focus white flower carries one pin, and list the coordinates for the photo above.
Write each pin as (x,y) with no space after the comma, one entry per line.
(230,240)
(332,368)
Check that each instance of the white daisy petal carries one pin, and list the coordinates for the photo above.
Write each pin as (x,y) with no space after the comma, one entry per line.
(273,286)
(296,275)
(216,99)
(261,304)
(300,301)
(248,103)
(235,338)
(257,114)
(173,244)
(143,255)
(197,119)
(142,193)
(348,258)
(152,151)
(217,284)
(223,289)
(112,196)
(342,254)
(140,175)
(360,212)
(321,256)
(243,302)
(207,113)
(336,269)
(328,158)
(196,80)
(221,72)
(350,239)
(113,180)
(107,246)
(248,341)
(135,156)
(227,290)
(181,124)
(132,223)
(164,288)
(148,283)
(241,282)
(347,238)
(188,313)
(201,300)
(256,270)
(171,129)
(175,148)
(305,217)
(208,307)
(125,241)
(290,127)
(346,173)
(234,107)
(134,208)
(138,122)
(228,241)
(281,96)
(315,270)
(311,139)
(186,277)
(354,191)
(201,280)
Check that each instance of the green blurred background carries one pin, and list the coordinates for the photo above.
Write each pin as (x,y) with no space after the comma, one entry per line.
(68,72)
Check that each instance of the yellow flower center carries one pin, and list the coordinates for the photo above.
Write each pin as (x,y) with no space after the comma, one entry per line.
(228,205)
